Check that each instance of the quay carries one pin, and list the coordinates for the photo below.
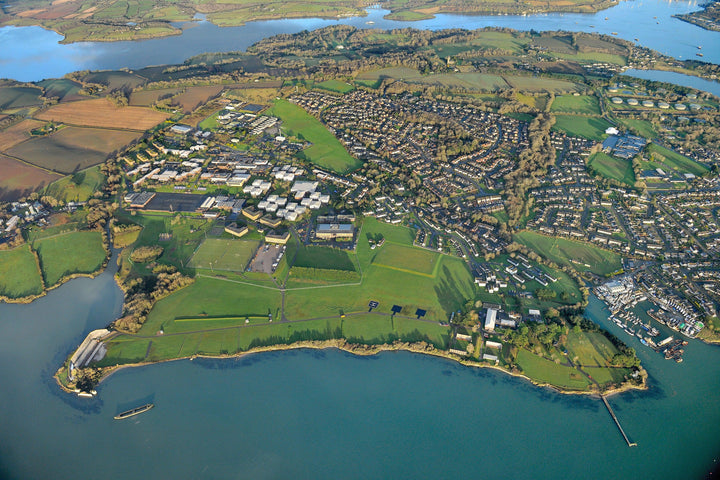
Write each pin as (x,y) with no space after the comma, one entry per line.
(617,422)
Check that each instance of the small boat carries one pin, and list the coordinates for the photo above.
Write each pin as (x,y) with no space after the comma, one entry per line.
(134,411)
(614,33)
(699,54)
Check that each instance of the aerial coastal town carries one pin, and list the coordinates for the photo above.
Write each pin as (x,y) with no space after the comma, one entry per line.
(383,214)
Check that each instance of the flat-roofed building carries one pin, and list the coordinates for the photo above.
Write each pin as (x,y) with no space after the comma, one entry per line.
(335,230)
(490,318)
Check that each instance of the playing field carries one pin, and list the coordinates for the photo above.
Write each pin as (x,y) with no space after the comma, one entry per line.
(100,112)
(406,259)
(546,371)
(615,168)
(581,256)
(72,148)
(323,257)
(19,273)
(583,104)
(18,179)
(335,86)
(69,253)
(585,127)
(224,254)
(326,151)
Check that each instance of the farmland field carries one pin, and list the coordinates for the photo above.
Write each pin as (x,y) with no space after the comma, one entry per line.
(546,371)
(586,127)
(18,179)
(535,84)
(17,133)
(571,104)
(69,253)
(326,151)
(611,167)
(193,97)
(406,259)
(17,97)
(145,98)
(62,88)
(114,79)
(100,112)
(224,254)
(581,256)
(19,274)
(72,148)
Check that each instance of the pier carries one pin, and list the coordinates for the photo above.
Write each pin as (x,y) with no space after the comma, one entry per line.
(617,422)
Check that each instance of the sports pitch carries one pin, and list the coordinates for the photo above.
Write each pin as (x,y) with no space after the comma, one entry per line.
(224,254)
(406,259)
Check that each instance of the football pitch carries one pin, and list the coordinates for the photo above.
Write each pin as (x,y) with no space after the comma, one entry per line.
(224,254)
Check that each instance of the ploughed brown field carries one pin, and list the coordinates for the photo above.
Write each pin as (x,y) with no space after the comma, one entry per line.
(193,97)
(103,113)
(18,179)
(72,148)
(17,133)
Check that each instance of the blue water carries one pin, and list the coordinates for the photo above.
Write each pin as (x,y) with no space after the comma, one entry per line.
(32,53)
(677,79)
(329,414)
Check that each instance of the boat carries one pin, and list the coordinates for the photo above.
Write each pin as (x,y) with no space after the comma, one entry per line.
(699,54)
(134,411)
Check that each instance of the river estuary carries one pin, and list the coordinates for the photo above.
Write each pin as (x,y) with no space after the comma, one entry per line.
(32,53)
(329,414)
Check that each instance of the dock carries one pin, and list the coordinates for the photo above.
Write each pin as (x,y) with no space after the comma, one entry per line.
(617,422)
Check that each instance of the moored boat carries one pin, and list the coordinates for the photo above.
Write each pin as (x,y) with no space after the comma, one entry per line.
(134,411)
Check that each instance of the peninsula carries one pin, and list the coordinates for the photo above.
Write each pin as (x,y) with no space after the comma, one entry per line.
(455,193)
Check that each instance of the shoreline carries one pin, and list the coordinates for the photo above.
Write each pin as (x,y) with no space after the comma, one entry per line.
(363,350)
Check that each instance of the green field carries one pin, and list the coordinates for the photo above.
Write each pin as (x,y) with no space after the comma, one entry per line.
(585,127)
(668,159)
(224,254)
(78,187)
(642,128)
(18,97)
(581,256)
(323,257)
(406,259)
(335,86)
(19,274)
(583,104)
(590,348)
(326,151)
(62,88)
(69,253)
(545,371)
(611,167)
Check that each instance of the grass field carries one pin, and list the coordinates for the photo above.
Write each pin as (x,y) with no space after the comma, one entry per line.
(146,98)
(18,179)
(69,253)
(406,259)
(62,88)
(611,167)
(19,273)
(590,348)
(581,256)
(639,127)
(102,113)
(584,104)
(114,79)
(674,161)
(72,148)
(323,257)
(585,127)
(546,371)
(18,97)
(224,254)
(67,190)
(326,151)
(335,86)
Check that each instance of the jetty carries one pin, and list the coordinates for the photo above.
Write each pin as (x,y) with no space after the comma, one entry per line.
(617,422)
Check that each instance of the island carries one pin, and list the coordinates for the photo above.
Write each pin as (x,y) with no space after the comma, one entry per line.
(455,193)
